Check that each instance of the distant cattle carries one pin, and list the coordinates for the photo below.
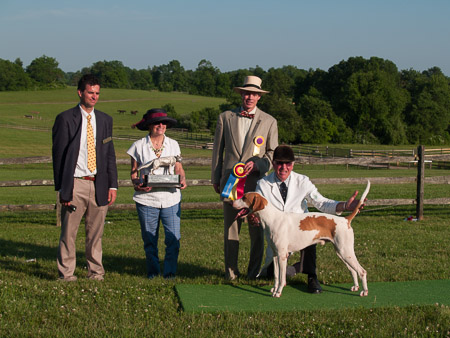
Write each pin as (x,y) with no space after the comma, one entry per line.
(134,112)
(121,111)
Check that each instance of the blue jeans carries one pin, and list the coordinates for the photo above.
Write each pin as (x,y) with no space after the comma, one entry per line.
(149,218)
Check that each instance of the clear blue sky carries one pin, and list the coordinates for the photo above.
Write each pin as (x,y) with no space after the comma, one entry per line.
(232,34)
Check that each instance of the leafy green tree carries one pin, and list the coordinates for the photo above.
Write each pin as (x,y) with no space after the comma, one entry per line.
(375,106)
(18,62)
(171,77)
(200,120)
(428,115)
(140,79)
(312,80)
(279,83)
(44,71)
(319,122)
(170,109)
(205,77)
(283,110)
(237,77)
(335,83)
(112,74)
(178,76)
(223,85)
(160,76)
(13,77)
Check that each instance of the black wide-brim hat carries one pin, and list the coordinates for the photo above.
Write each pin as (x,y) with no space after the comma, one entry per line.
(283,154)
(154,116)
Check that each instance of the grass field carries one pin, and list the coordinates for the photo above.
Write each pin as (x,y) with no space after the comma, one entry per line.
(28,142)
(126,304)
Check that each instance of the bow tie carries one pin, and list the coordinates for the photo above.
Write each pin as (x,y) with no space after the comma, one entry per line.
(247,115)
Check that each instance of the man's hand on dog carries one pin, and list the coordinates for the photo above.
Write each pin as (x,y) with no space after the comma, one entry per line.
(352,203)
(253,220)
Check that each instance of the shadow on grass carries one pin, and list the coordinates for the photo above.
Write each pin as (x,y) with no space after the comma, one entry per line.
(29,258)
(189,270)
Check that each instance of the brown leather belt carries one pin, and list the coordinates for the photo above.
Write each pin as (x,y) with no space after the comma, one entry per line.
(87,178)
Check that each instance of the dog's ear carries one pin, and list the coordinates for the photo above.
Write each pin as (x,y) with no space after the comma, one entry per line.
(255,201)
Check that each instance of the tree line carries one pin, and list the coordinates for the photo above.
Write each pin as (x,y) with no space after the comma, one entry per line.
(356,101)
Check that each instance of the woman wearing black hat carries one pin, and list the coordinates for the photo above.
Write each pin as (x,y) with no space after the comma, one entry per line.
(157,203)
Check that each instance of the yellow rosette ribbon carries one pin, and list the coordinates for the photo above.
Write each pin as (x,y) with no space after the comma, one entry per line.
(234,188)
(258,141)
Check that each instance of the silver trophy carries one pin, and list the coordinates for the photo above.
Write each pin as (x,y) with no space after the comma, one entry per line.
(161,181)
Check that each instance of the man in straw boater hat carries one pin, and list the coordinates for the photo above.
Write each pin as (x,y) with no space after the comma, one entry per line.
(248,136)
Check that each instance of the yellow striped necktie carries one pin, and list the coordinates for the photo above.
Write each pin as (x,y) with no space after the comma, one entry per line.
(92,162)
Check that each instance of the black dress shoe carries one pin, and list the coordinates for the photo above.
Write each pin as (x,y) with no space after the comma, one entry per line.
(314,285)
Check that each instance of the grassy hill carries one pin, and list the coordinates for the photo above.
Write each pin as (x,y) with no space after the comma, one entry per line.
(41,107)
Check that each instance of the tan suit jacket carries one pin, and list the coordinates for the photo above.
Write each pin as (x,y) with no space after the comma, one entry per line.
(226,151)
(231,146)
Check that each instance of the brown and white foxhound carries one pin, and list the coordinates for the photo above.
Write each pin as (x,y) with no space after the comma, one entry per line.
(289,232)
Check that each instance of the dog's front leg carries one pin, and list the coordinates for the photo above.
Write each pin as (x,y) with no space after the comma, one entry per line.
(280,273)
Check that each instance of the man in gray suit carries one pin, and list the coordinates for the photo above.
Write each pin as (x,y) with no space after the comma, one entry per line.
(85,173)
(248,135)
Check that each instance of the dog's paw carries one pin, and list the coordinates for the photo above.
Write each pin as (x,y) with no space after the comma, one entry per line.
(276,294)
(355,288)
(364,293)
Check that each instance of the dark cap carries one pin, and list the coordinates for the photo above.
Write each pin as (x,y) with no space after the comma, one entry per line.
(283,154)
(154,116)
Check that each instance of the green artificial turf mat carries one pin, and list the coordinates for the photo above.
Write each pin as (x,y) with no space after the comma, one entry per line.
(247,298)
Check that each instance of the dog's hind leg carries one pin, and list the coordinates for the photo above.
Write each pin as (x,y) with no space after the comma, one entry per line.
(349,258)
(276,275)
(353,272)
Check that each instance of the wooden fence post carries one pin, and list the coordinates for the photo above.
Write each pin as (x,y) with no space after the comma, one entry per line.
(420,182)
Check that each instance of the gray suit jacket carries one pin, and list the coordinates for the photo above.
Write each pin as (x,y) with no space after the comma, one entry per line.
(226,150)
(66,135)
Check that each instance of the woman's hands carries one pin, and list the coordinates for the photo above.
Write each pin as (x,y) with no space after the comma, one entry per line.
(138,186)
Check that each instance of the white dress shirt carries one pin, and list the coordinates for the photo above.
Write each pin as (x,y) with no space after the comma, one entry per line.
(157,197)
(81,168)
(244,126)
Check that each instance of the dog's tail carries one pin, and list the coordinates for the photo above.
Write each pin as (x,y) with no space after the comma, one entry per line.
(361,202)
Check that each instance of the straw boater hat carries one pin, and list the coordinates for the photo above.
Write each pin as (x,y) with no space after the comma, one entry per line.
(283,154)
(154,116)
(251,84)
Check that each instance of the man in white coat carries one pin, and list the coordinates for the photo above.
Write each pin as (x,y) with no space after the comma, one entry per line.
(292,192)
